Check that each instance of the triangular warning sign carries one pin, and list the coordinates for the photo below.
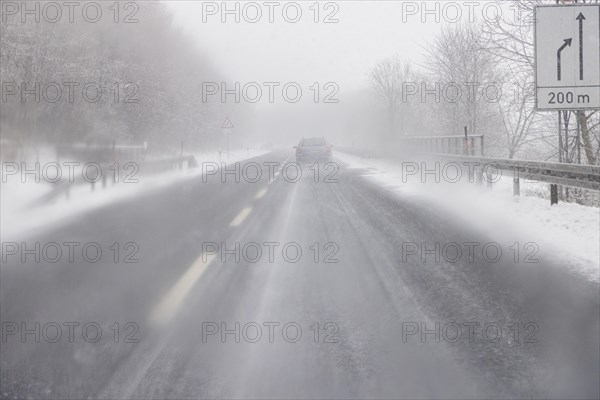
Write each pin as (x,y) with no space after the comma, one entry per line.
(227,124)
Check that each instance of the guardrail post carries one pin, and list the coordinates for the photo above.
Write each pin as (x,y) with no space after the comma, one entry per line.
(181,156)
(482,152)
(553,194)
(516,186)
(488,177)
(471,175)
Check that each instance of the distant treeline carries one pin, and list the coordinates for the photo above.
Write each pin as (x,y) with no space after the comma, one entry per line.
(130,77)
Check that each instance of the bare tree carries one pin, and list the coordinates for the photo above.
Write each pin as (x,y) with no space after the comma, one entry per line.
(587,126)
(517,119)
(460,67)
(388,78)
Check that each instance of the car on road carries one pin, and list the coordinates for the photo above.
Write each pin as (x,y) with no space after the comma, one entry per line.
(313,150)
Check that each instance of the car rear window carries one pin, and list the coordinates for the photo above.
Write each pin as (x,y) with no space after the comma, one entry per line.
(313,142)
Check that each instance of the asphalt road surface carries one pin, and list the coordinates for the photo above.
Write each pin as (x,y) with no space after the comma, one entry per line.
(355,315)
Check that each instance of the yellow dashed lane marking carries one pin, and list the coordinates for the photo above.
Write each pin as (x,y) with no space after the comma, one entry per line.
(237,221)
(171,302)
(261,193)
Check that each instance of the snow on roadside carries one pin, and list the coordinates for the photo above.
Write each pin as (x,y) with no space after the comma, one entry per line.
(21,216)
(569,232)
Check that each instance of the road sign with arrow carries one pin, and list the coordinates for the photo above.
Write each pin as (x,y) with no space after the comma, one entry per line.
(567,57)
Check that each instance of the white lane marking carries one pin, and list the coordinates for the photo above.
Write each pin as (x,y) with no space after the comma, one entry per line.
(261,193)
(237,221)
(173,299)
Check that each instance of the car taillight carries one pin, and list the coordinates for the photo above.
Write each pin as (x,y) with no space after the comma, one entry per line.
(299,150)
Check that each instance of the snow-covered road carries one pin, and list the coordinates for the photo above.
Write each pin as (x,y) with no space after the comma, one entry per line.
(307,288)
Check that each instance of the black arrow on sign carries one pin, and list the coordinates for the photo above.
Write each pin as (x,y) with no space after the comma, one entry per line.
(580,18)
(558,68)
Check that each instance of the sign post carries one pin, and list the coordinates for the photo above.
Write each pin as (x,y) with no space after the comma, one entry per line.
(567,67)
(567,57)
(227,127)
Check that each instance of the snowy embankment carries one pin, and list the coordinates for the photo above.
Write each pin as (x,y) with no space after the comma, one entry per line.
(24,211)
(568,233)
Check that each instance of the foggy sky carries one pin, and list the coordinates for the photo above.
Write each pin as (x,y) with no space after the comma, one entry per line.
(343,52)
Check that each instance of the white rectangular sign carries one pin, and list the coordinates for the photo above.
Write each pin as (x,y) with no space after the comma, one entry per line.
(567,57)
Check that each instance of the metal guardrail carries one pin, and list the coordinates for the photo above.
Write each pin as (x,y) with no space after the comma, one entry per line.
(101,154)
(64,187)
(464,149)
(466,145)
(571,175)
(556,174)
